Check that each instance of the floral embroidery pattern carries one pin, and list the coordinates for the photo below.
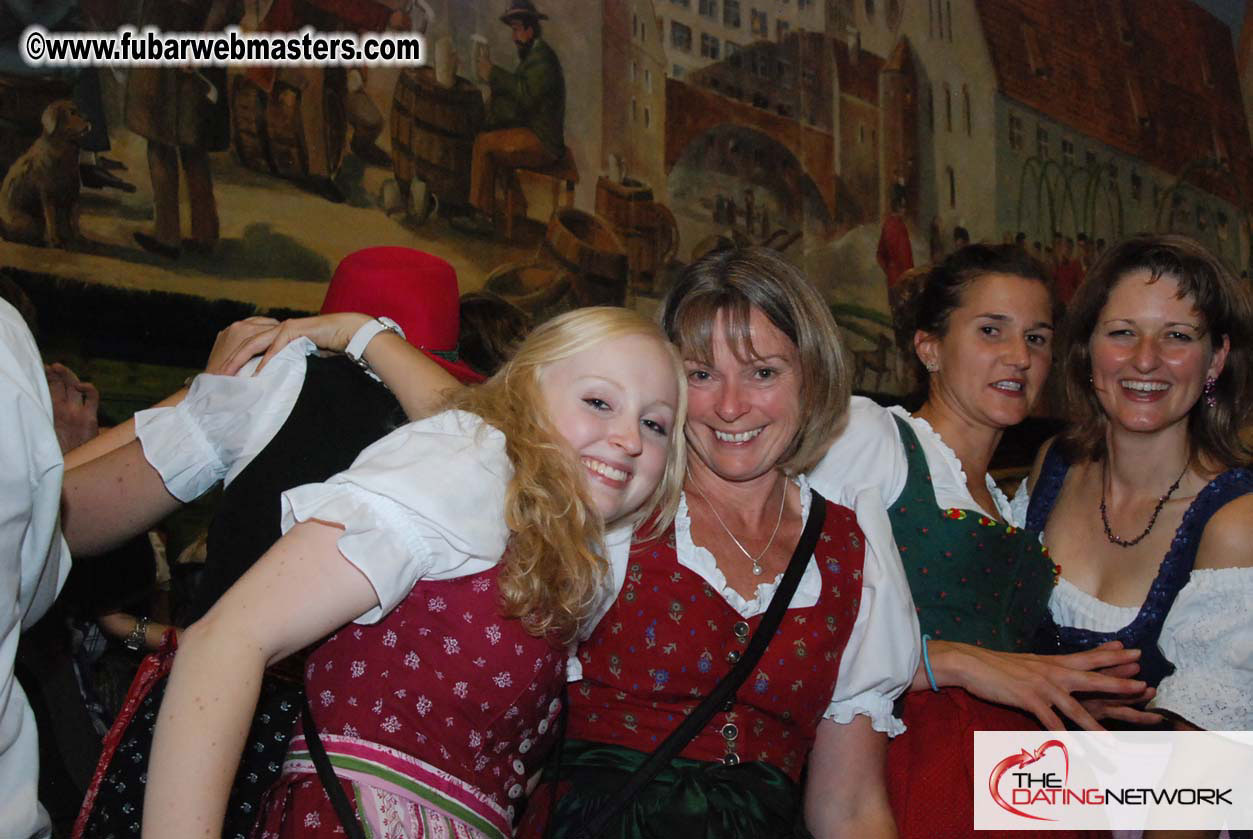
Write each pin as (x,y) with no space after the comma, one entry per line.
(652,659)
(487,727)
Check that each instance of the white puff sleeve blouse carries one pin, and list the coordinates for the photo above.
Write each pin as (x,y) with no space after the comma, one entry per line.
(222,423)
(425,502)
(1208,636)
(869,454)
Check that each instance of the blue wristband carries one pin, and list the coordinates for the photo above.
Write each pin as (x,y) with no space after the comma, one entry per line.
(926,663)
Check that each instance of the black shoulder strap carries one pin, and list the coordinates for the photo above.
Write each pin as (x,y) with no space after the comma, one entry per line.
(728,684)
(326,774)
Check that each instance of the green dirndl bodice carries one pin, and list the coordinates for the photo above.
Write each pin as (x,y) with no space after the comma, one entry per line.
(974,579)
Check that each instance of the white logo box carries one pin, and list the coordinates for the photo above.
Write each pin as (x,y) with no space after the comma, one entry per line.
(1049,780)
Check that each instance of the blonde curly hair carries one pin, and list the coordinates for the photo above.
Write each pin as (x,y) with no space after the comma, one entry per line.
(554,572)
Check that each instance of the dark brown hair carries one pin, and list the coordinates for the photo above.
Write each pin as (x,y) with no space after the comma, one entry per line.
(734,281)
(1226,309)
(491,329)
(931,295)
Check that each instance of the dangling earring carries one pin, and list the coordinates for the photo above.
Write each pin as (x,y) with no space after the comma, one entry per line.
(1211,400)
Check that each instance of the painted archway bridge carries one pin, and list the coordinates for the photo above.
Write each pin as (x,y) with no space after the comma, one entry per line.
(692,111)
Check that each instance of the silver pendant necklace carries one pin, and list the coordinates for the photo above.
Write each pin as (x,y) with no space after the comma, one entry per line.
(755,560)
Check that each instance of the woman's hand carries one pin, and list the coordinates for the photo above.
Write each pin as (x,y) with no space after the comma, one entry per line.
(1122,708)
(74,407)
(1038,684)
(266,337)
(223,358)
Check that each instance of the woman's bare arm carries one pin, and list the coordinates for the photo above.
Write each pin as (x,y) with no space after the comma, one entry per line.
(1042,685)
(298,592)
(111,498)
(846,790)
(419,384)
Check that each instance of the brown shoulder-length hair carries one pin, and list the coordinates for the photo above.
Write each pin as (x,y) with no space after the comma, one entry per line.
(1226,309)
(733,282)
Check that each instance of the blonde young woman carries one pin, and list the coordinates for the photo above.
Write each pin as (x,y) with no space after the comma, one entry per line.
(452,562)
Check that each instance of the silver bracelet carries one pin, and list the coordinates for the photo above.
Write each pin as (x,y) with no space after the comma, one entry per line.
(138,639)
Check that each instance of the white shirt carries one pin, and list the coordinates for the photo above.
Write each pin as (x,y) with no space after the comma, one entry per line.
(869,455)
(223,422)
(881,656)
(428,502)
(34,559)
(1208,636)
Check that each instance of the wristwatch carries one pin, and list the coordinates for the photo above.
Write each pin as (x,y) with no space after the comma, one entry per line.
(364,335)
(138,638)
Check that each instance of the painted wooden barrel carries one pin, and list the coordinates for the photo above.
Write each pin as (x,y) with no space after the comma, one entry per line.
(623,204)
(433,129)
(587,246)
(648,230)
(268,127)
(538,286)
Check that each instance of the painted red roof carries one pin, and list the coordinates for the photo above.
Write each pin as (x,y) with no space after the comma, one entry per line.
(1155,79)
(859,73)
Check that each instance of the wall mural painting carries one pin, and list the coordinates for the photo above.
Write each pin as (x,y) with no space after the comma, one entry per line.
(562,152)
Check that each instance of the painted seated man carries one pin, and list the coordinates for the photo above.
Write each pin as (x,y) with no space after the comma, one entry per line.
(526,118)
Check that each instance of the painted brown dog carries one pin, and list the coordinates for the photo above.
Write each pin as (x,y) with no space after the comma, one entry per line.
(39,197)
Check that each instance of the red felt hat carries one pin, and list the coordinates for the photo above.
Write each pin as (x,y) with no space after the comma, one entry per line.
(417,290)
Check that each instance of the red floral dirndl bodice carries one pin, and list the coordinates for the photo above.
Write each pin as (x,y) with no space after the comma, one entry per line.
(443,705)
(669,638)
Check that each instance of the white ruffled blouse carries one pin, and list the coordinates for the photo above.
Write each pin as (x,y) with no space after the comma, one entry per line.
(869,454)
(427,502)
(223,422)
(1208,636)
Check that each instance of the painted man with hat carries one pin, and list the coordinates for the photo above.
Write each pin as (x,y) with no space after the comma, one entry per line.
(526,118)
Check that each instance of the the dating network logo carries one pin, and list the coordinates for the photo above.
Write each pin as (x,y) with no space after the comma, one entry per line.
(1112,780)
(1027,787)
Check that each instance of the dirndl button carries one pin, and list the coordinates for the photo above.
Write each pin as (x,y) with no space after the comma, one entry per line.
(730,759)
(542,727)
(554,706)
(733,656)
(730,732)
(515,791)
(519,768)
(740,629)
(525,746)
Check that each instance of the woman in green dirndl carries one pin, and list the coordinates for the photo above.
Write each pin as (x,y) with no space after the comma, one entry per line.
(978,328)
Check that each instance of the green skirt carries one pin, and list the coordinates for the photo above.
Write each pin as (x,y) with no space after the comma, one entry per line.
(691,799)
